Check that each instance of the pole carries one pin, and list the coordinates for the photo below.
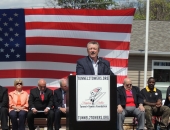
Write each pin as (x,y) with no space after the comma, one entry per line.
(146,42)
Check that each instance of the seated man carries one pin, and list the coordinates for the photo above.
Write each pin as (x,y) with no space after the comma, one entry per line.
(153,105)
(129,103)
(4,103)
(40,105)
(60,103)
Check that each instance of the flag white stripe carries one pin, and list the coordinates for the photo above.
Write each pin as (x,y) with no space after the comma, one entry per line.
(51,66)
(80,19)
(120,54)
(28,82)
(119,85)
(39,65)
(111,36)
(122,71)
(32,82)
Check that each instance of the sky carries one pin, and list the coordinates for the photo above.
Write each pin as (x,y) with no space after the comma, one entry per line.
(6,4)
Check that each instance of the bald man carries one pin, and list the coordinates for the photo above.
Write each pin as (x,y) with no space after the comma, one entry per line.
(40,105)
(129,103)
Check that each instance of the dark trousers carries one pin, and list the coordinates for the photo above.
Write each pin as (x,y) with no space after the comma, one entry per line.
(57,120)
(21,115)
(4,118)
(49,116)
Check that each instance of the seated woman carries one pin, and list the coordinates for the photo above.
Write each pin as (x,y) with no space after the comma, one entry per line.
(18,106)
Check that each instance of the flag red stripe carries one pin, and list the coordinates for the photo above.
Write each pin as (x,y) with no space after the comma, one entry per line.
(15,73)
(123,28)
(70,59)
(120,79)
(118,62)
(82,12)
(53,57)
(27,88)
(116,45)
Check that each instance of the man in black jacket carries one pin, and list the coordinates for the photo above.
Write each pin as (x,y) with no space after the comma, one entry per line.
(40,105)
(129,103)
(92,64)
(60,103)
(4,103)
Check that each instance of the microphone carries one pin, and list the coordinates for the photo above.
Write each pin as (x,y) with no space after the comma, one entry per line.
(108,67)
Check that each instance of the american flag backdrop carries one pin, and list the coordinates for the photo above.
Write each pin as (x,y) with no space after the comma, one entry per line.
(46,43)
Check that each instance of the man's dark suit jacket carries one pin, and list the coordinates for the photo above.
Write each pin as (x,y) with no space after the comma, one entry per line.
(36,102)
(4,99)
(58,98)
(121,96)
(85,67)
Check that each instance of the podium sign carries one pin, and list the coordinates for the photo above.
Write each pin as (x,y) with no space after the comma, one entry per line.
(91,102)
(93,98)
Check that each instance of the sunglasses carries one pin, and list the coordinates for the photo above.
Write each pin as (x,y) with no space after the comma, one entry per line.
(42,86)
(128,85)
(18,83)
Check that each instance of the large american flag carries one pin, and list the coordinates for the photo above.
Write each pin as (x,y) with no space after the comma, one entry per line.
(46,43)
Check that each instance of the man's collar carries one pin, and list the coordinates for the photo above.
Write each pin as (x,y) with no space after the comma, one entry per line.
(93,60)
(148,90)
(63,91)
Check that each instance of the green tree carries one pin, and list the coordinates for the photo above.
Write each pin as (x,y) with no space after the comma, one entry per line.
(159,9)
(81,4)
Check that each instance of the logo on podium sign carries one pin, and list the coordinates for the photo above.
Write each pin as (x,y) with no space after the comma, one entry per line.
(93,98)
(95,94)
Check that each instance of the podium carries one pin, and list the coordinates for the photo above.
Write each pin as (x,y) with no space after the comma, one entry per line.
(92,102)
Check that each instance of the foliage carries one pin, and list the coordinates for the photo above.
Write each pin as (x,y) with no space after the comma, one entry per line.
(159,9)
(81,4)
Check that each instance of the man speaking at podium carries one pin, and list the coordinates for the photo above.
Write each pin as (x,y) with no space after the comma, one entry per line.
(92,64)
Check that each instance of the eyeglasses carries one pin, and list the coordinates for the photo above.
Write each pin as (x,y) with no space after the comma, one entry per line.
(128,85)
(18,83)
(42,86)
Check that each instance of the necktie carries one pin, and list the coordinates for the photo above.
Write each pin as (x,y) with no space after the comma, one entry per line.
(42,96)
(64,98)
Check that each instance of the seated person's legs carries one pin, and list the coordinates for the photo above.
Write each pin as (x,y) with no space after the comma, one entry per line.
(57,119)
(22,117)
(148,117)
(4,118)
(30,120)
(13,116)
(50,119)
(141,118)
(49,116)
(120,119)
(164,112)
